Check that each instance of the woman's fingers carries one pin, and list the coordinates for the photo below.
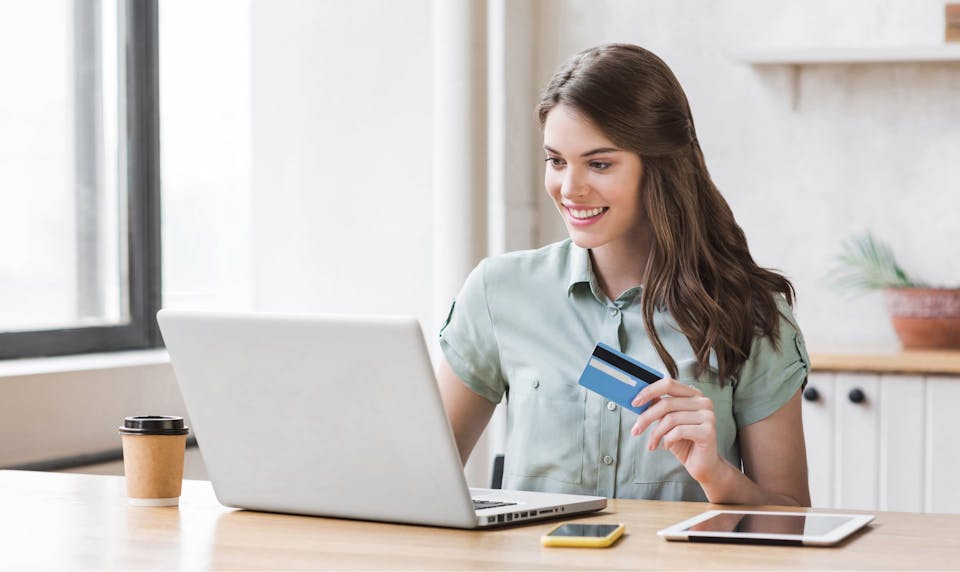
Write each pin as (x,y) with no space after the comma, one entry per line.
(669,403)
(681,420)
(693,434)
(663,387)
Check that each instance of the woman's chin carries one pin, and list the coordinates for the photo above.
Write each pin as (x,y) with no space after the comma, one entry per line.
(584,240)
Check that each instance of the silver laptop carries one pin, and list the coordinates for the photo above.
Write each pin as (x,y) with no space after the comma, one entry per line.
(336,416)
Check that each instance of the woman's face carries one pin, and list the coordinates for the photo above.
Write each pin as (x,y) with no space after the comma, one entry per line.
(595,184)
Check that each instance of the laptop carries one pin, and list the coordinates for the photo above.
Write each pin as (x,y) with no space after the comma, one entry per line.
(335,416)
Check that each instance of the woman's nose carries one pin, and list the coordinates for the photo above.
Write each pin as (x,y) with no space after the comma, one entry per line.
(572,185)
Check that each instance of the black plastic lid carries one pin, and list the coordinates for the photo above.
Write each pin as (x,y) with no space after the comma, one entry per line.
(154,425)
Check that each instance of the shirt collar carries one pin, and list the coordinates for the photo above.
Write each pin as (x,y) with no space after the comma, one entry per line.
(580,270)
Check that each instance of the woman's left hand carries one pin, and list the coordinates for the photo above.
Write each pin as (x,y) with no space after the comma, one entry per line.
(685,423)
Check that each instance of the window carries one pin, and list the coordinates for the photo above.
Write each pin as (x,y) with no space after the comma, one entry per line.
(79,179)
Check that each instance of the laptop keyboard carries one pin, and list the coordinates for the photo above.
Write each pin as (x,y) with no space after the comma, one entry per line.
(482,504)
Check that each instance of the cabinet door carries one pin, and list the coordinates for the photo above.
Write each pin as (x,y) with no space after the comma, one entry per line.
(818,406)
(943,453)
(902,428)
(857,441)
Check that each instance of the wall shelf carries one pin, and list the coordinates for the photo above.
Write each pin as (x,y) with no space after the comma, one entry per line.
(851,55)
(796,58)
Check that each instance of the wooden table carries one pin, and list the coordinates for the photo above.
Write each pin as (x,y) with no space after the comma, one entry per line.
(68,522)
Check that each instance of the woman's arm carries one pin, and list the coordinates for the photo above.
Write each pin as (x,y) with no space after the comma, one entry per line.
(468,412)
(772,449)
(774,461)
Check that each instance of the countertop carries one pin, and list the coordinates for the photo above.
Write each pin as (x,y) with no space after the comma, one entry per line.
(919,362)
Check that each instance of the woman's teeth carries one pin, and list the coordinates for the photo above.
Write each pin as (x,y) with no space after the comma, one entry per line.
(587,214)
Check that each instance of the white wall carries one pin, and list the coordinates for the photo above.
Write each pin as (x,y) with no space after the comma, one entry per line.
(341,184)
(869,147)
(205,154)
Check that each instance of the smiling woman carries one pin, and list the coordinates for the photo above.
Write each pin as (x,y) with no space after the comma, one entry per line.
(657,268)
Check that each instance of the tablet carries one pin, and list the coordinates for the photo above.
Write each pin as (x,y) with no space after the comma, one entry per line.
(763,527)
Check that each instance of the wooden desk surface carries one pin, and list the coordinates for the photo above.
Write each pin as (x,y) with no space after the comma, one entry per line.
(69,521)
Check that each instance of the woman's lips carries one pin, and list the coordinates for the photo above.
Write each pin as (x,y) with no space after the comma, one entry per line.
(574,220)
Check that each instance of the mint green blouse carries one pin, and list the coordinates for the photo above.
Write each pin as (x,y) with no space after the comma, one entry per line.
(523,327)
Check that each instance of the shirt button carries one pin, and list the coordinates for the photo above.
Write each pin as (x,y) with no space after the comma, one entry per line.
(535,383)
(614,311)
(611,406)
(607,460)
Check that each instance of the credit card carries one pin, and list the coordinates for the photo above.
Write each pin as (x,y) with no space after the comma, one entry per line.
(617,376)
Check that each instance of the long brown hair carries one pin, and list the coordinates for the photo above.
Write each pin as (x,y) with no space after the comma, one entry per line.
(699,268)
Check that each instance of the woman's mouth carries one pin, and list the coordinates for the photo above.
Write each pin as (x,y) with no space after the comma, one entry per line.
(582,217)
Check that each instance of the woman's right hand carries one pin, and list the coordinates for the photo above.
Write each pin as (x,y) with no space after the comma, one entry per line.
(685,423)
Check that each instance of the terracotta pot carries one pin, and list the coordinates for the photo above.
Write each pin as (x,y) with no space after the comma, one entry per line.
(925,317)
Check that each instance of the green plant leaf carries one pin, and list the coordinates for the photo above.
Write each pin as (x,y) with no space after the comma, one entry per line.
(869,264)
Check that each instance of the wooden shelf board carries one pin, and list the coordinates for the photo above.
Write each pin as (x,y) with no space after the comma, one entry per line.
(852,55)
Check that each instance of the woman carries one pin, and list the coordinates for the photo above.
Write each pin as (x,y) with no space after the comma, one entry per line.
(655,266)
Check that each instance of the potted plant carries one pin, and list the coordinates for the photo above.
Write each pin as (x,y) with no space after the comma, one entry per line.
(923,316)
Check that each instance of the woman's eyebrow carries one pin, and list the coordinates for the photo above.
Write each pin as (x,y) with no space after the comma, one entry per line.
(600,150)
(550,149)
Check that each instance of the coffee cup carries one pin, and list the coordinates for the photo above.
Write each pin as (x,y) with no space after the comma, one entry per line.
(153,450)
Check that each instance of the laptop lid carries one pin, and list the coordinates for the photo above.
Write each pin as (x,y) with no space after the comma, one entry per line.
(323,415)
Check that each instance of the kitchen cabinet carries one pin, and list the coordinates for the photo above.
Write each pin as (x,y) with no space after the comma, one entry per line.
(883,441)
(942,451)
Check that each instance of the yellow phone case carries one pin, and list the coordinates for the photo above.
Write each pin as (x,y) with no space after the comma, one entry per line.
(581,541)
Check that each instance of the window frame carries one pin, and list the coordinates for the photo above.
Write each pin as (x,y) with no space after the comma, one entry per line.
(140,106)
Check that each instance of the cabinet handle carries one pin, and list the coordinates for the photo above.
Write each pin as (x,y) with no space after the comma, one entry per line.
(857,396)
(811,394)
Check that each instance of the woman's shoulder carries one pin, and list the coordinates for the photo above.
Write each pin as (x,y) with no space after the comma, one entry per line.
(784,344)
(548,262)
(788,319)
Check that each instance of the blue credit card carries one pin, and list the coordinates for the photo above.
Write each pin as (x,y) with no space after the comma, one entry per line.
(617,376)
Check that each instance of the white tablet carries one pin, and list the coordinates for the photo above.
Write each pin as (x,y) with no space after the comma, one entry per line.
(762,527)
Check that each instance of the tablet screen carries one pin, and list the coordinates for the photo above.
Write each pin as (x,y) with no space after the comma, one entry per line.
(792,524)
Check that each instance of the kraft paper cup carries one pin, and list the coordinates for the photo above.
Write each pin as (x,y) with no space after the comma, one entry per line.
(153,450)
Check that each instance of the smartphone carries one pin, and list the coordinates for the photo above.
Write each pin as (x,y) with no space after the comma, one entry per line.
(582,535)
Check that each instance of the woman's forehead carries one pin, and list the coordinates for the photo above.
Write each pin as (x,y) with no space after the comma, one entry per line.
(567,130)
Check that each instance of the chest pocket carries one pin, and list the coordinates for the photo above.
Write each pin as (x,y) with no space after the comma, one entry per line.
(661,466)
(546,428)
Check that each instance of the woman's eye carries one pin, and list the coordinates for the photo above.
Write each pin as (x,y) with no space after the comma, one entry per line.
(600,165)
(555,162)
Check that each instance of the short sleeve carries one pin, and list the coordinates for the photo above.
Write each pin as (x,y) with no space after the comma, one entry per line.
(773,373)
(468,340)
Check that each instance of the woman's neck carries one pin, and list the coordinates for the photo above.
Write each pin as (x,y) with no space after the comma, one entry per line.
(619,265)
